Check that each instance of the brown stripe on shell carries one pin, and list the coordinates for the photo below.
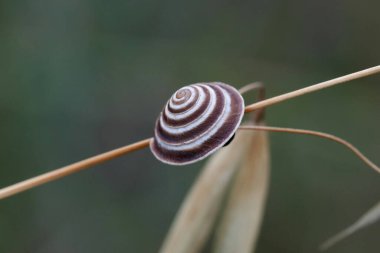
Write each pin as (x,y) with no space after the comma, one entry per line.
(196,132)
(199,130)
(186,108)
(178,157)
(193,116)
(183,95)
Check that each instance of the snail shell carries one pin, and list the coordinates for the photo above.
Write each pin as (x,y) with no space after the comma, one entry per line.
(196,121)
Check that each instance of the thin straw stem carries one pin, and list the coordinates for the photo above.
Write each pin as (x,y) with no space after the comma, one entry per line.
(259,86)
(312,88)
(318,134)
(251,86)
(72,168)
(67,170)
(370,217)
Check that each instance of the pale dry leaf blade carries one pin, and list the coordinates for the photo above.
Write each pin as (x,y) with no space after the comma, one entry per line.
(370,217)
(241,221)
(194,220)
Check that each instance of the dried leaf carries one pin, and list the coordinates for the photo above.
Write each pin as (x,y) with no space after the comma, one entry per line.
(371,216)
(194,221)
(242,219)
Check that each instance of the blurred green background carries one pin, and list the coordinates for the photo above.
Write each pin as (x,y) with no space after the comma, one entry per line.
(81,77)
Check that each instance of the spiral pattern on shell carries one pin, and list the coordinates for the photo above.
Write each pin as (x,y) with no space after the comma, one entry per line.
(196,121)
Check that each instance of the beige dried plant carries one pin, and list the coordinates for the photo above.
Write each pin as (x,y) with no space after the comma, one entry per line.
(241,220)
(193,223)
(244,164)
(370,217)
(237,175)
(92,161)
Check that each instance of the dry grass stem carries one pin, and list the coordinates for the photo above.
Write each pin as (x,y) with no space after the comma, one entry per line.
(242,218)
(195,218)
(312,88)
(370,217)
(70,169)
(251,86)
(345,143)
(259,87)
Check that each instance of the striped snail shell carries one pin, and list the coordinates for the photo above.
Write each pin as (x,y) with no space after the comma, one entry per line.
(196,121)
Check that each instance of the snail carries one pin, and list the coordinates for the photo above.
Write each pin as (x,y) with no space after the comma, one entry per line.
(196,121)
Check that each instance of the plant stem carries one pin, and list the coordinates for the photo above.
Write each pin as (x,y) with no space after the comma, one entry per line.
(312,88)
(259,86)
(318,134)
(75,167)
(72,168)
